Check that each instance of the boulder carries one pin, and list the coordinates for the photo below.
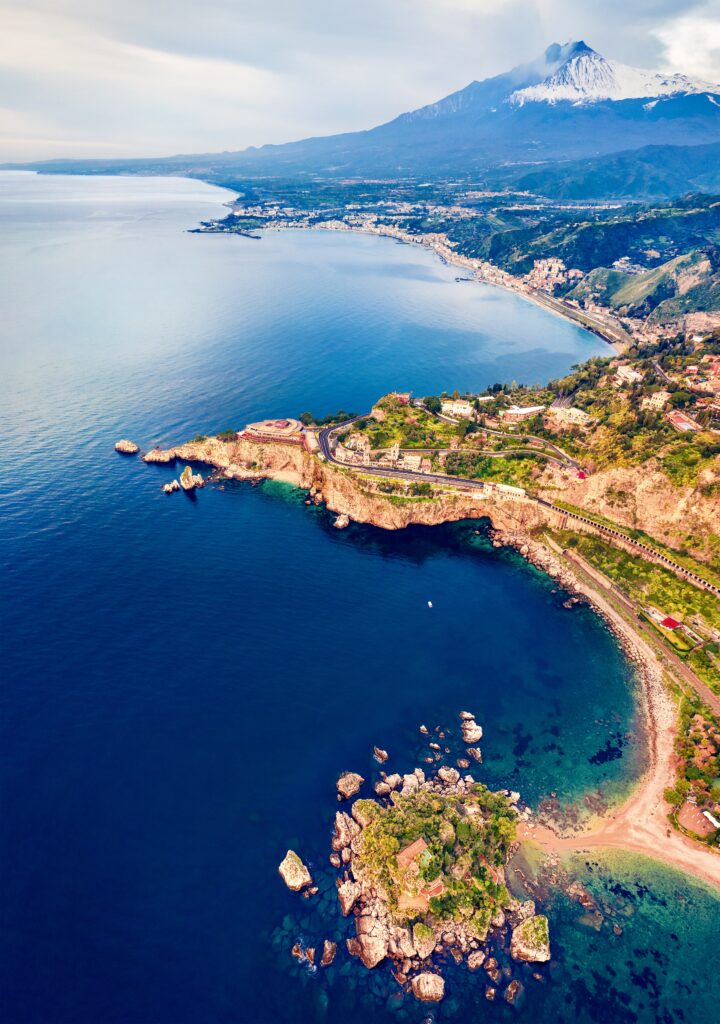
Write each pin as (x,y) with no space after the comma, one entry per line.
(172,486)
(380,755)
(518,912)
(126,447)
(402,940)
(531,940)
(471,731)
(335,860)
(189,480)
(382,789)
(429,988)
(372,935)
(342,522)
(348,893)
(328,953)
(293,872)
(476,960)
(424,730)
(475,753)
(410,784)
(423,939)
(394,780)
(349,784)
(450,776)
(466,716)
(345,831)
(512,992)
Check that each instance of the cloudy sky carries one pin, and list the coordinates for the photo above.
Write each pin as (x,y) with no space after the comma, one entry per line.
(152,77)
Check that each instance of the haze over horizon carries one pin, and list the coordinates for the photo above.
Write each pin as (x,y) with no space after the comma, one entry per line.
(85,79)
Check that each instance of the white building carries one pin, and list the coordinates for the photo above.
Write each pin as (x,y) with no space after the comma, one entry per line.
(571,415)
(521,412)
(656,401)
(626,375)
(458,407)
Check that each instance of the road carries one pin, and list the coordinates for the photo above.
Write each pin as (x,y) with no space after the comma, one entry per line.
(464,484)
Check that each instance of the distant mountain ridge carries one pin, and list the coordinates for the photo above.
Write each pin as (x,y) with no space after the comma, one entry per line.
(571,103)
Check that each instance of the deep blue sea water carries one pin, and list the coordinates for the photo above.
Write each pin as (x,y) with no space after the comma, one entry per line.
(182,680)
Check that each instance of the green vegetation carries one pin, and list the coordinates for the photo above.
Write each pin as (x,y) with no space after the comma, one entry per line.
(468,837)
(227,435)
(406,425)
(646,582)
(307,418)
(516,470)
(698,748)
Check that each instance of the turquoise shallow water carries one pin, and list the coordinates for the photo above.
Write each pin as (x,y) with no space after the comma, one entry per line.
(184,679)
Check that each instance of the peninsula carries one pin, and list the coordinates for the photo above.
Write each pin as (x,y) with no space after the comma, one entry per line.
(599,481)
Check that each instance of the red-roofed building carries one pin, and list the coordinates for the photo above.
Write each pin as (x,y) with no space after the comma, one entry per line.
(670,623)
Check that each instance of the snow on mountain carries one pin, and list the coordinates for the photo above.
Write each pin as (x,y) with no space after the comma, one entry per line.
(588,77)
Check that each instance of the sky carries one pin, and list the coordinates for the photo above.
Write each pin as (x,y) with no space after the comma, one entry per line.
(114,78)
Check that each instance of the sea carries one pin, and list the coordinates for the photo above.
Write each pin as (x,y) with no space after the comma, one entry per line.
(183,678)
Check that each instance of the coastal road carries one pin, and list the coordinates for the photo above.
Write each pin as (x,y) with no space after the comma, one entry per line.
(463,483)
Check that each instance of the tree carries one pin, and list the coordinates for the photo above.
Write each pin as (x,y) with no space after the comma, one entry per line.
(433,403)
(307,418)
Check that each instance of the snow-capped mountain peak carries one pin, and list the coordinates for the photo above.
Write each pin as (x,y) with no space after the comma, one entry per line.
(580,75)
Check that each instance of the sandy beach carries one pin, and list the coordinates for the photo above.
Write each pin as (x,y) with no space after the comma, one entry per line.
(640,825)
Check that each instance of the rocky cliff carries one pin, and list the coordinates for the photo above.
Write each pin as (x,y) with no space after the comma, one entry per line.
(643,498)
(351,493)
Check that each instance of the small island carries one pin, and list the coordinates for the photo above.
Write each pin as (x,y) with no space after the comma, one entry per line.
(422,869)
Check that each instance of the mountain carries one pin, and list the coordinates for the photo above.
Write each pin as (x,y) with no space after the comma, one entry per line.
(569,104)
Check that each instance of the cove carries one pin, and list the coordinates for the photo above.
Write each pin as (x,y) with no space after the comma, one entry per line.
(185,679)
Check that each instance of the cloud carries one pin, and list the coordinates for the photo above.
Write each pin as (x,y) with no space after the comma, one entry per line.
(693,40)
(141,78)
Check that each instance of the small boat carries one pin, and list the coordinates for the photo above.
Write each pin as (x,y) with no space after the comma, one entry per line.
(429,604)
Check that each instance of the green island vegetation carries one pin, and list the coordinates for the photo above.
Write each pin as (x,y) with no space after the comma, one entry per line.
(465,840)
(698,748)
(516,470)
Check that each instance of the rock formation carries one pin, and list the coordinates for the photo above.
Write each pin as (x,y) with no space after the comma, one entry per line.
(349,784)
(126,447)
(293,872)
(531,940)
(189,480)
(430,988)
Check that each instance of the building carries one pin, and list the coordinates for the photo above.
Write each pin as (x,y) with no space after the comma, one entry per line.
(458,407)
(682,422)
(516,413)
(414,855)
(413,462)
(626,375)
(287,431)
(572,415)
(403,397)
(655,402)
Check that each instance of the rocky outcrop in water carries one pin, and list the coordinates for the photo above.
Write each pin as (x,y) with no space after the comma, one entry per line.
(429,988)
(189,480)
(126,447)
(293,872)
(349,784)
(531,940)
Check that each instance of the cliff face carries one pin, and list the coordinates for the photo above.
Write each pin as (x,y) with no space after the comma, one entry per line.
(350,493)
(642,497)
